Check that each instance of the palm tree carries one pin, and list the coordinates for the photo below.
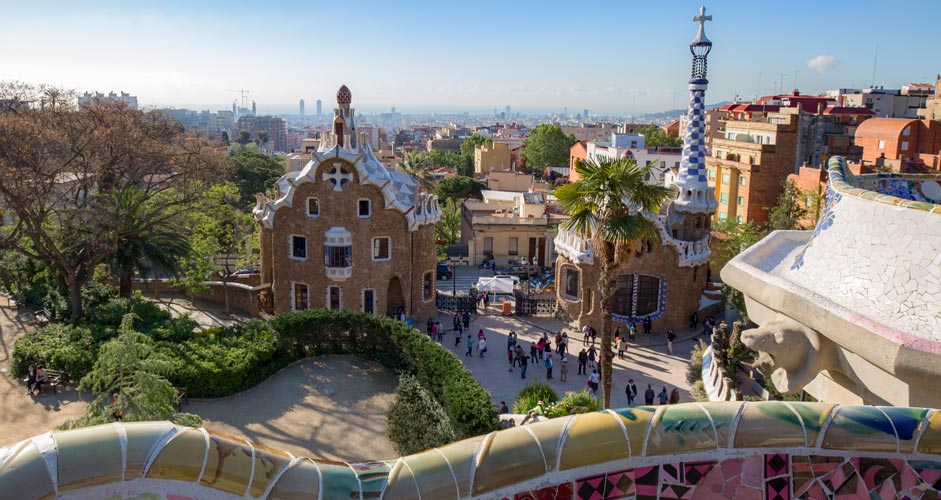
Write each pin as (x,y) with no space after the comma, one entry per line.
(421,173)
(607,204)
(144,240)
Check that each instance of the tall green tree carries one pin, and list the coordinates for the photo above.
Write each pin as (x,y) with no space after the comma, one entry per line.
(128,383)
(789,213)
(449,227)
(732,239)
(547,146)
(147,238)
(467,151)
(460,188)
(654,136)
(421,173)
(255,172)
(597,210)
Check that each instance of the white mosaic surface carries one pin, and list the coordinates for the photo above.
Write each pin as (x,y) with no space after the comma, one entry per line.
(878,260)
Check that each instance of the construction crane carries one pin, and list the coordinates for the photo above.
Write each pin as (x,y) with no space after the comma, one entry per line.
(244,93)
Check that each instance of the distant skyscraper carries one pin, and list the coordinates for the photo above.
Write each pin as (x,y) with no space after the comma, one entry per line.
(507,110)
(234,110)
(319,107)
(585,113)
(301,106)
(254,109)
(566,112)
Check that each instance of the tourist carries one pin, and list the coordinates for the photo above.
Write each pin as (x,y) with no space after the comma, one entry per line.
(586,332)
(503,408)
(631,391)
(617,335)
(480,334)
(670,338)
(582,363)
(486,300)
(465,318)
(663,396)
(456,322)
(470,347)
(539,409)
(434,331)
(647,325)
(675,396)
(694,320)
(524,362)
(519,355)
(458,332)
(632,331)
(541,348)
(430,328)
(511,423)
(564,370)
(548,344)
(622,348)
(40,378)
(533,353)
(649,395)
(30,378)
(594,335)
(593,381)
(592,355)
(531,417)
(482,346)
(565,343)
(509,357)
(549,367)
(558,342)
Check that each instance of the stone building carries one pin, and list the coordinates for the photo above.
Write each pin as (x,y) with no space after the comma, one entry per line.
(372,227)
(493,157)
(666,277)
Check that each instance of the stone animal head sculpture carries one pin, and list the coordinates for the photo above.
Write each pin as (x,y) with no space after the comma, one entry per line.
(790,353)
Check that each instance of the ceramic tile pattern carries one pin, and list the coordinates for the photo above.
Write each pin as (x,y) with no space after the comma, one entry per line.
(766,450)
(884,230)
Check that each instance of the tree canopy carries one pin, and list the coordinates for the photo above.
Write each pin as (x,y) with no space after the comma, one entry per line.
(655,136)
(547,146)
(459,188)
(254,172)
(467,151)
(788,213)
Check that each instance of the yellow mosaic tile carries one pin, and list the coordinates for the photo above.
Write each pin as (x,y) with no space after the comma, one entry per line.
(550,434)
(593,438)
(680,429)
(228,464)
(930,441)
(300,482)
(24,474)
(402,485)
(182,458)
(636,421)
(752,430)
(723,415)
(142,437)
(461,456)
(508,457)
(813,416)
(88,457)
(433,474)
(269,462)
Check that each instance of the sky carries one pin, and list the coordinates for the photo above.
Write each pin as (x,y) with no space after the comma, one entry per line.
(611,57)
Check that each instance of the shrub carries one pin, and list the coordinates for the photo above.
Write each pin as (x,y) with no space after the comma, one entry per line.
(57,346)
(530,396)
(694,368)
(698,391)
(575,403)
(417,422)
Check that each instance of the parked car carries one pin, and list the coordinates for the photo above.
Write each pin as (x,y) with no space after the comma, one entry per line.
(444,271)
(247,270)
(514,279)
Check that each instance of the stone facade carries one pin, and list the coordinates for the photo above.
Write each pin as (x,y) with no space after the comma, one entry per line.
(347,233)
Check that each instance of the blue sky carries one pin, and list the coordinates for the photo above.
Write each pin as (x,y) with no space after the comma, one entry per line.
(609,57)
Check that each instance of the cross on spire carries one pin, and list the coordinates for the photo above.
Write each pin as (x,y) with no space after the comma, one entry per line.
(702,18)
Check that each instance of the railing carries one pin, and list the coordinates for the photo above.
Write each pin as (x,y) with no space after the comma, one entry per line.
(456,302)
(510,221)
(535,304)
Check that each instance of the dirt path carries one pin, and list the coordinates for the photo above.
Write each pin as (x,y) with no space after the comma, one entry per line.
(332,407)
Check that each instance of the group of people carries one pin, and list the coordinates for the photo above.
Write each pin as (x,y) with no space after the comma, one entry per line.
(663,397)
(35,377)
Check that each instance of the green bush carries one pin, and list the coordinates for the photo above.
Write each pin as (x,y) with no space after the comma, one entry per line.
(417,421)
(575,403)
(532,394)
(56,346)
(694,368)
(698,391)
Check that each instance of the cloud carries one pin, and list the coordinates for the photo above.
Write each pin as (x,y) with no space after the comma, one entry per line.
(822,63)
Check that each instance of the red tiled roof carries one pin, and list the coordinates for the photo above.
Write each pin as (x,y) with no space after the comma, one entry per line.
(848,110)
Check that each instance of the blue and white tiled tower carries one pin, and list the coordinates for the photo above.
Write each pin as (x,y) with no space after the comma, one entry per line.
(695,196)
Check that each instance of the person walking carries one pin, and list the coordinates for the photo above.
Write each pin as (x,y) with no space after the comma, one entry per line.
(694,320)
(592,355)
(593,381)
(622,348)
(586,332)
(509,356)
(519,355)
(631,391)
(632,331)
(470,347)
(465,318)
(674,396)
(647,325)
(663,396)
(565,343)
(524,362)
(533,357)
(670,338)
(482,346)
(458,331)
(504,409)
(480,334)
(649,395)
(564,370)
(541,348)
(549,367)
(582,363)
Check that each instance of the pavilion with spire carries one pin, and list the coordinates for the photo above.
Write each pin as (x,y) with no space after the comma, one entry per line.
(666,279)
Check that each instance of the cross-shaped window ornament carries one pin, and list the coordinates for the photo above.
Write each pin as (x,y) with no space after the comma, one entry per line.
(338,176)
(702,17)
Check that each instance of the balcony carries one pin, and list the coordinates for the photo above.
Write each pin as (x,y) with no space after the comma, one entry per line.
(750,147)
(508,220)
(339,273)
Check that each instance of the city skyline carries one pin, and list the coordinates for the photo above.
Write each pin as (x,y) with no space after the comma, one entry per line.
(611,59)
